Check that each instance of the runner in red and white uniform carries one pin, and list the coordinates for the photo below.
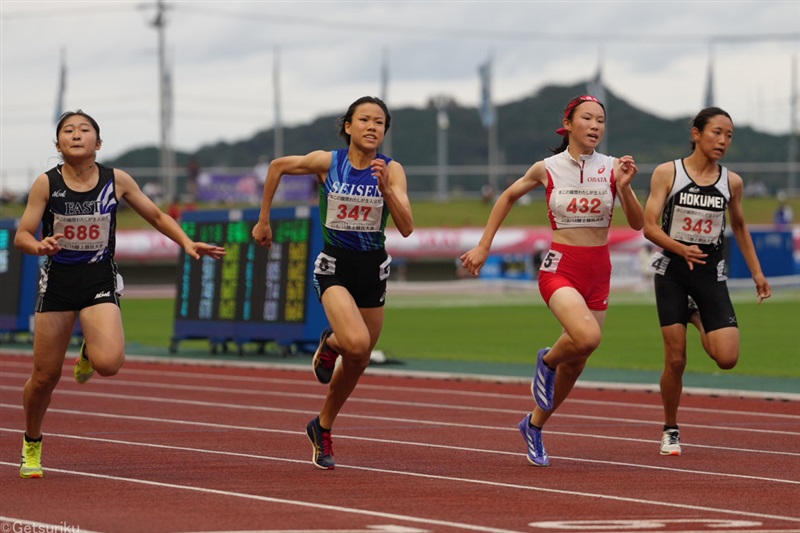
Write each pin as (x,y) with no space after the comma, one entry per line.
(582,186)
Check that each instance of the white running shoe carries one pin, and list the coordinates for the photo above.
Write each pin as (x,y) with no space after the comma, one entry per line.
(671,442)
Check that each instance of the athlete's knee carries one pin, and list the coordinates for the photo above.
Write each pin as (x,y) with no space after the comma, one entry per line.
(675,361)
(355,347)
(109,364)
(43,380)
(587,341)
(109,369)
(726,361)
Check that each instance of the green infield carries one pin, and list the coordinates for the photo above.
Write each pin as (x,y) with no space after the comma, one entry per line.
(509,328)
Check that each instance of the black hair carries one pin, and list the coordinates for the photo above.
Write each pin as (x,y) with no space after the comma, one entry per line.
(701,120)
(348,117)
(63,118)
(569,112)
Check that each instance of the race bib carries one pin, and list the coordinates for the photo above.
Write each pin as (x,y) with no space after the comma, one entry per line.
(83,233)
(325,265)
(582,207)
(551,261)
(354,213)
(658,263)
(696,226)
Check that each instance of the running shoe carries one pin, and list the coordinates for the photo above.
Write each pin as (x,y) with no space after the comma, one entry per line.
(83,368)
(671,442)
(324,358)
(322,443)
(537,455)
(543,382)
(30,465)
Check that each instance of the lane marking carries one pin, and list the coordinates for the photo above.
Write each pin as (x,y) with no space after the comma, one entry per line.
(394,421)
(441,376)
(314,505)
(394,472)
(436,406)
(389,441)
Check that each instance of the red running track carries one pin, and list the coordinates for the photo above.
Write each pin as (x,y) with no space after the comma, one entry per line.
(181,447)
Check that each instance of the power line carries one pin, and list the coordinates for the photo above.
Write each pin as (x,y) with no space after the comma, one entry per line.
(335,25)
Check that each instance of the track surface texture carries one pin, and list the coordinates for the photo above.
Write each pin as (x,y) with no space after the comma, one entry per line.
(169,447)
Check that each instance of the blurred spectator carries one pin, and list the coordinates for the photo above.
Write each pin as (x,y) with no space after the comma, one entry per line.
(192,174)
(174,209)
(260,170)
(154,191)
(783,213)
(487,194)
(756,189)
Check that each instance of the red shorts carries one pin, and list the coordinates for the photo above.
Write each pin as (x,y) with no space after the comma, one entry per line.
(587,269)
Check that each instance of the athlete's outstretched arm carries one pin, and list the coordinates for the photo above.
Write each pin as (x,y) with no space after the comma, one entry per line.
(743,238)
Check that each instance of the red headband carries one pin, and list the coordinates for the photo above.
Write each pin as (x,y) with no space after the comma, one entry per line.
(575,102)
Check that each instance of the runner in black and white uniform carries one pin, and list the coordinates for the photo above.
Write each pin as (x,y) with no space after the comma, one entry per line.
(694,214)
(685,216)
(76,205)
(358,190)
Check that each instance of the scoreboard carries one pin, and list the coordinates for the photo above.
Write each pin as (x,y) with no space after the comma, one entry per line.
(254,293)
(19,274)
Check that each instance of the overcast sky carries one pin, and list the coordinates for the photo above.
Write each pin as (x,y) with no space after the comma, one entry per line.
(654,54)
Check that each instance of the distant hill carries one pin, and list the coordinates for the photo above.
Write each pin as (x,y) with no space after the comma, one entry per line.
(526,128)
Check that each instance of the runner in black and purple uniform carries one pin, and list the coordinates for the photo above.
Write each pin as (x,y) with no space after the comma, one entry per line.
(358,190)
(76,204)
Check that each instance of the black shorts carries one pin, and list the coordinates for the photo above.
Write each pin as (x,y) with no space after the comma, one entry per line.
(363,274)
(73,287)
(706,284)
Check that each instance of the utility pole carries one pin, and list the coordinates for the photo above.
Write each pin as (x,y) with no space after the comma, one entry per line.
(165,104)
(441,104)
(278,128)
(793,133)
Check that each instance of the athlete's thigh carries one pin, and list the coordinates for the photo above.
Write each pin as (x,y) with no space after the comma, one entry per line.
(672,299)
(52,333)
(571,310)
(102,329)
(373,318)
(724,345)
(343,314)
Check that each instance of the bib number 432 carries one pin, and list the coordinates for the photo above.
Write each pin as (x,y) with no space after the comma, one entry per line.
(584,205)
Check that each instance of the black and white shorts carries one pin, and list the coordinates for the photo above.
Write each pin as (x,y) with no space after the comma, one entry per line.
(64,287)
(706,284)
(363,274)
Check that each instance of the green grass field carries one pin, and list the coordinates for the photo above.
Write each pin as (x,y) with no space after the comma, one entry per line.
(510,328)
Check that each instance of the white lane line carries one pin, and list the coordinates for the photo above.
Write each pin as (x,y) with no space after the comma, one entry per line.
(449,447)
(406,473)
(393,420)
(440,376)
(435,406)
(314,505)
